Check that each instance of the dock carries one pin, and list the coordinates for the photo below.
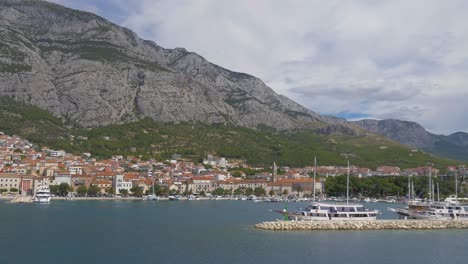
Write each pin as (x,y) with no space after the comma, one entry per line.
(22,199)
(363,225)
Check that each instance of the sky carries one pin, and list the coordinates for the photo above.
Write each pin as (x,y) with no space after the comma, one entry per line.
(353,59)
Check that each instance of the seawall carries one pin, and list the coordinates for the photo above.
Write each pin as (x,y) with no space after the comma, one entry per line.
(362,225)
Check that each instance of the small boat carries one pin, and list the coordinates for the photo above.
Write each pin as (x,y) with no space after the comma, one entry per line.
(42,196)
(174,198)
(151,197)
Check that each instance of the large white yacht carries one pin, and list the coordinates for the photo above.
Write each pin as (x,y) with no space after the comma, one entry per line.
(328,211)
(331,211)
(42,196)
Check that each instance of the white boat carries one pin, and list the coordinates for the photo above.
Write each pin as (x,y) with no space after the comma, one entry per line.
(332,211)
(42,196)
(433,211)
(318,211)
(174,198)
(153,196)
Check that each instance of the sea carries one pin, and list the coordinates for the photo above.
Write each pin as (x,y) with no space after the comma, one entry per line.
(203,232)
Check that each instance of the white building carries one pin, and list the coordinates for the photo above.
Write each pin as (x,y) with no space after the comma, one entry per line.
(119,184)
(60,178)
(57,153)
(75,170)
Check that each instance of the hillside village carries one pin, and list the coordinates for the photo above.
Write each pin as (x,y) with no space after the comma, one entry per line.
(24,169)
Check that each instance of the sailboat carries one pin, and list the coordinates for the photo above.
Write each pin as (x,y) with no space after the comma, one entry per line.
(432,210)
(153,196)
(319,211)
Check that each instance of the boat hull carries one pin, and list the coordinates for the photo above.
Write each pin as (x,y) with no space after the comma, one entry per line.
(42,199)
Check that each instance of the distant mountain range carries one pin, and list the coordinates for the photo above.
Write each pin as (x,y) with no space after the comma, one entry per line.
(92,73)
(454,146)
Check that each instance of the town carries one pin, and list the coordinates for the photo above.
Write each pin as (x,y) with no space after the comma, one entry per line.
(24,169)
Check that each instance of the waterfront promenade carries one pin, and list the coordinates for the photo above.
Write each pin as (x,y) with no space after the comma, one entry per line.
(362,225)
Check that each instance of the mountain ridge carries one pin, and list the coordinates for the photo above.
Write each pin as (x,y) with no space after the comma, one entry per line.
(90,72)
(84,68)
(413,134)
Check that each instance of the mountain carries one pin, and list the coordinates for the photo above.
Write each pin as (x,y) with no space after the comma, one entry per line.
(151,139)
(454,146)
(91,73)
(86,70)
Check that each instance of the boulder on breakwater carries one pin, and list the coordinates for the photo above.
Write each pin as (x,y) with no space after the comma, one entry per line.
(362,225)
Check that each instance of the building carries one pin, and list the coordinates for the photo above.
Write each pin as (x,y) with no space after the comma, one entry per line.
(10,181)
(119,184)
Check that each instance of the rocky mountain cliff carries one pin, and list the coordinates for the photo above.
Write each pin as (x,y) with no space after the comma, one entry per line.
(412,134)
(82,68)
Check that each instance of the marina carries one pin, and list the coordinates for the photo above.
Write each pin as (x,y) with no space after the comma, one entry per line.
(207,231)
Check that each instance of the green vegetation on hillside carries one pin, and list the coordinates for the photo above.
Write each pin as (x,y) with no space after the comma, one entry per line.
(194,140)
(14,68)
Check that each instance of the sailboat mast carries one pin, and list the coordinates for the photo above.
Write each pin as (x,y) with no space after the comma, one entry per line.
(347,186)
(438,192)
(430,187)
(433,189)
(456,186)
(315,170)
(409,187)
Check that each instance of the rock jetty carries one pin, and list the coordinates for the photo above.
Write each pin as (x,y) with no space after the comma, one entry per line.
(362,225)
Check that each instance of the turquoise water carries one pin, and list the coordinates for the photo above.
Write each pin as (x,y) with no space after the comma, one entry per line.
(201,232)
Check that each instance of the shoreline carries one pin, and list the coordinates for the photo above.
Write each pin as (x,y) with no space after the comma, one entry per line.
(11,198)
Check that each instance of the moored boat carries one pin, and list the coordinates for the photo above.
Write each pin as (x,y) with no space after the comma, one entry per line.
(331,211)
(42,196)
(433,211)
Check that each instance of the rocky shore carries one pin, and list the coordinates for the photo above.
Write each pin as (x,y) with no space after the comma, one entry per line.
(362,225)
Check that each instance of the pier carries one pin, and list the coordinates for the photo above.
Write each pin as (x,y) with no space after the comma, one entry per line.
(22,199)
(363,225)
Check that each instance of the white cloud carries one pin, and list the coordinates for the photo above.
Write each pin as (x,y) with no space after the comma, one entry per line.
(385,59)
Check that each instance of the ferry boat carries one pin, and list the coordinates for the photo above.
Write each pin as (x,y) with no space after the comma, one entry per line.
(42,196)
(331,211)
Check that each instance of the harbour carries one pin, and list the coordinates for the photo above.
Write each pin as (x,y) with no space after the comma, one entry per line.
(131,231)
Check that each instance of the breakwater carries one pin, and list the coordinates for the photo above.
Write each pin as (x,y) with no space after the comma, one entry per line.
(362,225)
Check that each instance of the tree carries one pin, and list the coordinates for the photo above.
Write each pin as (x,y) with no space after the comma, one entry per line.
(13,190)
(137,191)
(123,192)
(110,190)
(238,191)
(202,194)
(82,190)
(259,191)
(237,174)
(218,191)
(93,190)
(54,189)
(285,192)
(249,191)
(64,189)
(297,188)
(3,190)
(271,192)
